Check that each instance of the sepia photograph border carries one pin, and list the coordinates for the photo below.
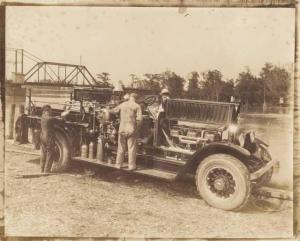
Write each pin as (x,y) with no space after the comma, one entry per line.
(182,5)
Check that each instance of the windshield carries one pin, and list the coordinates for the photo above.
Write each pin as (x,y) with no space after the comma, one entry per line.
(153,109)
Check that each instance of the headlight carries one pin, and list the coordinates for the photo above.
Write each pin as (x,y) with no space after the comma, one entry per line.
(249,143)
(241,139)
(252,136)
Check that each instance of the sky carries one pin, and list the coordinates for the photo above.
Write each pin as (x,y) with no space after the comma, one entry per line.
(128,40)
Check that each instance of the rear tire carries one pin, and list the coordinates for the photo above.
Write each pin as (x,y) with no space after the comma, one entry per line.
(223,182)
(62,153)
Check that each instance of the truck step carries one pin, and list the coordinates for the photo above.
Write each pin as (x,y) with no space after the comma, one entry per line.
(93,161)
(156,173)
(140,169)
(169,160)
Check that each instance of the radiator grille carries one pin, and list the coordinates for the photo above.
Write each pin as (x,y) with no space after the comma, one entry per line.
(200,111)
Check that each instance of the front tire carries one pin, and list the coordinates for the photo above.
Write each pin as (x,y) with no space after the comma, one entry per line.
(223,182)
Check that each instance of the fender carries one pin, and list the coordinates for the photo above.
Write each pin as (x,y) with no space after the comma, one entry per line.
(214,148)
(67,131)
(259,141)
(33,121)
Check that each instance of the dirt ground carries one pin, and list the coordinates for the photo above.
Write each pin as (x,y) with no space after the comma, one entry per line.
(108,203)
(98,202)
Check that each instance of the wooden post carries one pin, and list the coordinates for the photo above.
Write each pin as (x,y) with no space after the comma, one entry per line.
(11,120)
(58,73)
(38,73)
(45,70)
(29,102)
(30,135)
(16,64)
(22,61)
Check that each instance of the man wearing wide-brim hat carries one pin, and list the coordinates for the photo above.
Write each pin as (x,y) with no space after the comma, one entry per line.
(163,122)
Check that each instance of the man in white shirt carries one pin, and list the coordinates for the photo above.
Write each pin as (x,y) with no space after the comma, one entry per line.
(130,123)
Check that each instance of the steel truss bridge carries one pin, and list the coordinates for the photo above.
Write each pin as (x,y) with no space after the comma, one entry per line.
(48,73)
(59,73)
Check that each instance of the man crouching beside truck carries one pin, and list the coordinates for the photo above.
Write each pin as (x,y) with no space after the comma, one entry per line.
(47,137)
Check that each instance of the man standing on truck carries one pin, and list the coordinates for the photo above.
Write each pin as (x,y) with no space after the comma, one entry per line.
(161,116)
(47,137)
(130,123)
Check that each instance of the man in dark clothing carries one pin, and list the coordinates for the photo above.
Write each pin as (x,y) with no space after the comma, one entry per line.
(47,138)
(21,127)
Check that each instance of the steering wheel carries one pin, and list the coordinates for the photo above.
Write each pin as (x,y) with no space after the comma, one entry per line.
(150,100)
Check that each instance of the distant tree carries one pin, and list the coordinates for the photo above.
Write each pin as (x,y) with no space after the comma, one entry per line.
(249,89)
(276,82)
(174,83)
(104,79)
(227,90)
(211,85)
(135,81)
(193,90)
(133,77)
(148,81)
(153,82)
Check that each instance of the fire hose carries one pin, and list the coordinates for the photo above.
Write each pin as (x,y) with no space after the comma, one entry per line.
(269,199)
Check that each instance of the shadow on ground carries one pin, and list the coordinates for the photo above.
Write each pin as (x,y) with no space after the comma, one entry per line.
(184,188)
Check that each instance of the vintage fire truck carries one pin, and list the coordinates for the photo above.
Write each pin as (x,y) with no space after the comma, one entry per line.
(204,140)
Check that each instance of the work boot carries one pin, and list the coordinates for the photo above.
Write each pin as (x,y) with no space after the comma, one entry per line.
(131,168)
(118,166)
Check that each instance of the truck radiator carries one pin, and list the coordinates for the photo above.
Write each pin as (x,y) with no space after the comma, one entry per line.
(200,111)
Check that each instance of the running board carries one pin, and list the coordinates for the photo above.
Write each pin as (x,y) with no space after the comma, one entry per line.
(156,173)
(140,169)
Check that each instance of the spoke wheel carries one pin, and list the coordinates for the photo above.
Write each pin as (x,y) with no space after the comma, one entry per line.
(223,182)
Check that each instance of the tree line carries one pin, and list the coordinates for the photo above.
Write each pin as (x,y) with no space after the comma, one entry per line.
(271,85)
